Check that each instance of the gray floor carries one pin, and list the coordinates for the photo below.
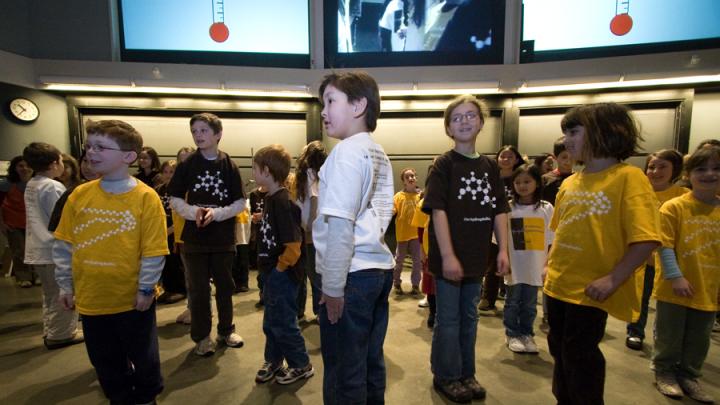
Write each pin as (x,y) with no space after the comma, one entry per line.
(29,374)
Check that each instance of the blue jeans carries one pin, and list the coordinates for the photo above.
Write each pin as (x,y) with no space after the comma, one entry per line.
(453,344)
(638,328)
(520,310)
(282,334)
(352,349)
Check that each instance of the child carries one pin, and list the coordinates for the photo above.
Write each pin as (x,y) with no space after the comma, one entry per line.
(148,167)
(178,225)
(12,220)
(241,265)
(421,221)
(109,251)
(257,200)
(207,191)
(279,256)
(687,288)
(662,169)
(553,179)
(466,199)
(355,209)
(41,194)
(406,235)
(173,279)
(606,225)
(530,237)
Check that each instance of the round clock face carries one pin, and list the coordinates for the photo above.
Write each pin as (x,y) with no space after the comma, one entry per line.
(24,109)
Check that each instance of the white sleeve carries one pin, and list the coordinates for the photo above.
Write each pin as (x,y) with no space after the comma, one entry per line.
(228,211)
(336,266)
(183,209)
(62,257)
(150,271)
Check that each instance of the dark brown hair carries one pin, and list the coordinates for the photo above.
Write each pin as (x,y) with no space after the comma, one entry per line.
(405,170)
(70,162)
(212,120)
(465,98)
(276,159)
(154,159)
(671,155)
(312,157)
(356,86)
(127,137)
(40,155)
(701,156)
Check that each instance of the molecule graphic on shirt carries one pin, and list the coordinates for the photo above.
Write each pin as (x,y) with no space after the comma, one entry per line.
(212,182)
(705,230)
(593,203)
(124,219)
(477,188)
(265,228)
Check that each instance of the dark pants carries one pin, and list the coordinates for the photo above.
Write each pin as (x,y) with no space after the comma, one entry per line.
(491,282)
(638,328)
(173,274)
(352,349)
(200,268)
(241,265)
(123,348)
(282,334)
(315,283)
(574,338)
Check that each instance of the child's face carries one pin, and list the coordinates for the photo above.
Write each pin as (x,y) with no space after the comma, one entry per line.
(57,169)
(167,173)
(86,170)
(262,176)
(659,172)
(706,177)
(338,113)
(525,185)
(105,156)
(24,171)
(548,164)
(204,136)
(564,162)
(182,156)
(507,159)
(575,142)
(409,180)
(144,161)
(465,123)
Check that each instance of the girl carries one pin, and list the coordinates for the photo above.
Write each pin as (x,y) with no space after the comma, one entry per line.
(687,287)
(173,280)
(529,227)
(606,225)
(662,169)
(306,189)
(85,173)
(148,167)
(12,220)
(406,235)
(545,162)
(71,176)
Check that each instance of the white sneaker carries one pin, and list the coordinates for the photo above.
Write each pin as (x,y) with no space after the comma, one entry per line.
(716,326)
(530,345)
(515,344)
(231,340)
(423,303)
(205,347)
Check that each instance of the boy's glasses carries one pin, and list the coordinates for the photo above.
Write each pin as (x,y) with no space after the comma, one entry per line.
(100,148)
(468,116)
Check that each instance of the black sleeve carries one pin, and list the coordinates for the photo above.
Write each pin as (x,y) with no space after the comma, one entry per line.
(57,211)
(178,184)
(436,191)
(501,205)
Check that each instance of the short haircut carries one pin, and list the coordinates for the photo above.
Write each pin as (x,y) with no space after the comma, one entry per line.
(534,172)
(559,146)
(465,98)
(356,86)
(610,130)
(519,160)
(40,155)
(276,159)
(127,137)
(405,170)
(701,156)
(671,155)
(212,120)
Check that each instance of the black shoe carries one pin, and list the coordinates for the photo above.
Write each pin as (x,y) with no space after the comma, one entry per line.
(431,321)
(241,289)
(259,304)
(634,342)
(478,392)
(453,390)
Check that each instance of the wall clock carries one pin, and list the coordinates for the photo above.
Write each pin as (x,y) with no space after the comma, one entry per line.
(24,110)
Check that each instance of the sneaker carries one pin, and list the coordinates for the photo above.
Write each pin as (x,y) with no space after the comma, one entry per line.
(294,374)
(453,390)
(502,293)
(24,284)
(37,282)
(691,387)
(398,289)
(241,289)
(267,372)
(184,318)
(205,347)
(634,342)
(431,321)
(415,291)
(668,385)
(478,391)
(231,340)
(515,344)
(423,303)
(530,345)
(52,344)
(716,326)
(484,308)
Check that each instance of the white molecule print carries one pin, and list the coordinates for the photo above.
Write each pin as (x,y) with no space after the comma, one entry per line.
(595,203)
(705,230)
(267,236)
(124,219)
(213,184)
(477,188)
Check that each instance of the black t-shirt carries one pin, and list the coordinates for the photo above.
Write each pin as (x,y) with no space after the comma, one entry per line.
(210,184)
(471,192)
(551,185)
(162,191)
(280,225)
(149,179)
(257,202)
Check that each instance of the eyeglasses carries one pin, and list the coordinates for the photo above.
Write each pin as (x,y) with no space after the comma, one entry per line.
(468,116)
(101,148)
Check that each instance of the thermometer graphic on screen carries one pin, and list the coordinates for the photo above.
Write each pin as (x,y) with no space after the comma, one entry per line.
(219,32)
(622,23)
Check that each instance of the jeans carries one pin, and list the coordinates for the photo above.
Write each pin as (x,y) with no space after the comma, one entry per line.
(123,349)
(452,355)
(412,246)
(352,349)
(315,283)
(520,310)
(638,328)
(282,334)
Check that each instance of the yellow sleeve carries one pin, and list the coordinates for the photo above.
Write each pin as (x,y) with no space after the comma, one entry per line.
(669,224)
(420,219)
(639,210)
(289,256)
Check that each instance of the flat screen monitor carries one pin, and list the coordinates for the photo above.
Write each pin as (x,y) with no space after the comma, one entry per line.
(573,29)
(229,32)
(374,33)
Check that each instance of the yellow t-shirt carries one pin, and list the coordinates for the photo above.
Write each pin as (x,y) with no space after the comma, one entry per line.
(597,216)
(110,234)
(692,229)
(404,208)
(422,220)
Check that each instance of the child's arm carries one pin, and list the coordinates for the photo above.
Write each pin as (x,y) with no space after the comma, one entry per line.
(150,272)
(62,257)
(222,213)
(600,289)
(500,226)
(336,265)
(671,271)
(184,209)
(451,267)
(289,256)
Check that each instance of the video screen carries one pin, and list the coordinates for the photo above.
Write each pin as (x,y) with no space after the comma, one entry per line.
(561,25)
(418,27)
(216,26)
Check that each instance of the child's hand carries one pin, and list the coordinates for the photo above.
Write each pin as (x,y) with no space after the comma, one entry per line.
(600,289)
(452,269)
(143,302)
(682,288)
(256,217)
(170,230)
(67,301)
(208,217)
(199,215)
(544,273)
(503,264)
(334,307)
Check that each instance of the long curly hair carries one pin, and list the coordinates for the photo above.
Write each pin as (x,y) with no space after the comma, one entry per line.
(312,157)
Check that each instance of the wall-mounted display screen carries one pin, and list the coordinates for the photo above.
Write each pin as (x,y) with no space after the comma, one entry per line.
(366,33)
(234,32)
(564,29)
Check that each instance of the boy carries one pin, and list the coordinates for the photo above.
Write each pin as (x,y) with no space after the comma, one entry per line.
(279,258)
(355,208)
(257,199)
(406,234)
(41,194)
(109,251)
(207,191)
(552,180)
